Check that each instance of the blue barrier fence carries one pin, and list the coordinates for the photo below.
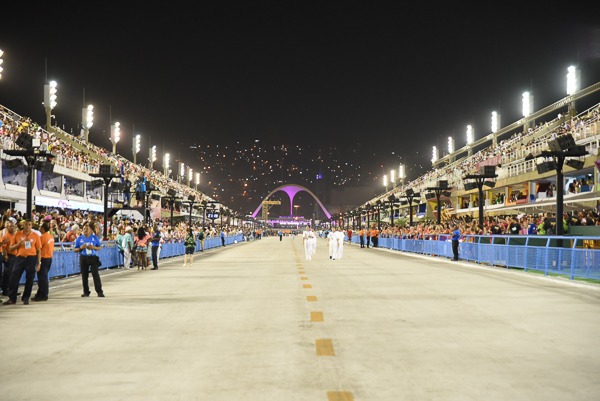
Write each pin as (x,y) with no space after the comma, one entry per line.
(575,257)
(65,262)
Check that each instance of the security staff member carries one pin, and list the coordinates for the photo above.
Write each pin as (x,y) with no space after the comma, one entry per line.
(9,256)
(28,246)
(87,244)
(47,241)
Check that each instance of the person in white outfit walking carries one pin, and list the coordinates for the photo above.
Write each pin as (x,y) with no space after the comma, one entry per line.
(338,250)
(331,242)
(308,237)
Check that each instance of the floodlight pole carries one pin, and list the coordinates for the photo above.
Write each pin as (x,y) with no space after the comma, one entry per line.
(559,158)
(438,192)
(30,157)
(171,200)
(106,178)
(479,179)
(410,198)
(191,202)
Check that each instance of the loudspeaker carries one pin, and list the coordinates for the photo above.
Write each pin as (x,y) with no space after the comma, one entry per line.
(443,184)
(96,183)
(576,164)
(171,192)
(409,192)
(487,170)
(490,184)
(191,198)
(107,169)
(447,194)
(403,202)
(44,166)
(561,143)
(544,167)
(13,163)
(25,141)
(430,196)
(470,186)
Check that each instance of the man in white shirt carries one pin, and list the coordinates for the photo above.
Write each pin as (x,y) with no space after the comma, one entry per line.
(331,242)
(308,235)
(338,237)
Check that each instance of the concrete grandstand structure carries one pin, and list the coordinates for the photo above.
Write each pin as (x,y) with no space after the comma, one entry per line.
(525,181)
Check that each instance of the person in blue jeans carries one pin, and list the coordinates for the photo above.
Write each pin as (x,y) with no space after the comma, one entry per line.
(455,238)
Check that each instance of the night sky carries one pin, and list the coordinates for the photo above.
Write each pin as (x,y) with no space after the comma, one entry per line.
(384,78)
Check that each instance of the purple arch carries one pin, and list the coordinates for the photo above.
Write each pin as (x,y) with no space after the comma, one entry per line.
(291,190)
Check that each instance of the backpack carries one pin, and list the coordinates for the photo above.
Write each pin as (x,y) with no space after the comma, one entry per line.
(190,241)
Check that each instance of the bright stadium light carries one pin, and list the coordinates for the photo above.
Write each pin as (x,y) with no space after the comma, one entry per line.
(190,175)
(527,104)
(115,135)
(470,135)
(136,147)
(1,61)
(152,156)
(50,102)
(573,76)
(450,145)
(385,182)
(166,164)
(435,155)
(495,121)
(87,116)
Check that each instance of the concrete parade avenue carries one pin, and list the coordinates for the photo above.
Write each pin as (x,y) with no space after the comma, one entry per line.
(255,321)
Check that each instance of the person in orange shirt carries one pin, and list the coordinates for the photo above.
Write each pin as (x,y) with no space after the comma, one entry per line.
(361,237)
(47,241)
(29,258)
(374,236)
(9,256)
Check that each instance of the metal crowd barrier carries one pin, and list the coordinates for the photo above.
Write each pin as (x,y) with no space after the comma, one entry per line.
(574,257)
(65,262)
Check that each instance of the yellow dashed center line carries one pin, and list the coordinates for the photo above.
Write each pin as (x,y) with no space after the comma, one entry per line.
(306,285)
(339,396)
(316,316)
(324,347)
(303,278)
(311,298)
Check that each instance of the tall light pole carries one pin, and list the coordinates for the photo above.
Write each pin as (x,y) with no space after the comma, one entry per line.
(151,157)
(135,149)
(488,172)
(573,80)
(470,138)
(401,173)
(190,176)
(115,136)
(495,126)
(49,101)
(442,186)
(197,180)
(393,178)
(181,172)
(107,173)
(385,182)
(87,116)
(527,100)
(166,164)
(560,148)
(34,158)
(1,61)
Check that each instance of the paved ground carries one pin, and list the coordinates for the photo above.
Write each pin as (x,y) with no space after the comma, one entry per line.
(257,322)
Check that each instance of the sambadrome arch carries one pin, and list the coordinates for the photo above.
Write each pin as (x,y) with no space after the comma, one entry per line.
(291,190)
